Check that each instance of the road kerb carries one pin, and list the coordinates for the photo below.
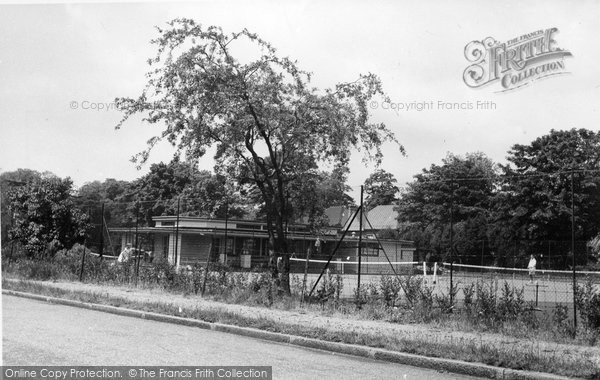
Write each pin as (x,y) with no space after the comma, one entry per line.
(440,364)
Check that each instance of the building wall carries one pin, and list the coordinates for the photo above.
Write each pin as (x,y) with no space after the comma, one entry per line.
(171,250)
(194,249)
(159,245)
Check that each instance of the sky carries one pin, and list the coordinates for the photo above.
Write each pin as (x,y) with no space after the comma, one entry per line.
(62,65)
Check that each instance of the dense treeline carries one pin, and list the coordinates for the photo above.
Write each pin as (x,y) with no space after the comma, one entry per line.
(472,210)
(494,214)
(44,213)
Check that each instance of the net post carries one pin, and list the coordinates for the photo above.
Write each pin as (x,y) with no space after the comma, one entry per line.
(334,251)
(360,228)
(386,255)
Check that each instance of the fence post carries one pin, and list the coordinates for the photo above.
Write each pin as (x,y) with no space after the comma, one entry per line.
(360,227)
(451,254)
(102,233)
(175,254)
(137,222)
(82,261)
(573,252)
(206,267)
(451,284)
(308,253)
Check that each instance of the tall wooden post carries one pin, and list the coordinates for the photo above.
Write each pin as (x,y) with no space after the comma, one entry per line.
(136,246)
(451,254)
(102,233)
(176,253)
(573,250)
(360,228)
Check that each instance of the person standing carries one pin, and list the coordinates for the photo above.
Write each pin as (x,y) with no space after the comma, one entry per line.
(531,267)
(125,254)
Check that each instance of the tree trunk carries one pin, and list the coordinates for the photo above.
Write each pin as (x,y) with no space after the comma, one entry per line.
(279,258)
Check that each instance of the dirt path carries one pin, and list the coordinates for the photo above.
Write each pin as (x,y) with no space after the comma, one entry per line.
(342,323)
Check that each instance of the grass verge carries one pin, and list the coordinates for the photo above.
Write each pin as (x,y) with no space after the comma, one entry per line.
(522,357)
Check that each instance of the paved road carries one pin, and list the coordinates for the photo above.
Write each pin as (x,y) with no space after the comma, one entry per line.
(38,333)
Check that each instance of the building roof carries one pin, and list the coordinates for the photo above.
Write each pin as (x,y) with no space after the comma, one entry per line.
(383,217)
(232,227)
(338,215)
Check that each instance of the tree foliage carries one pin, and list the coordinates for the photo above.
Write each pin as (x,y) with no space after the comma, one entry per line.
(45,219)
(314,192)
(458,192)
(536,191)
(268,124)
(201,193)
(504,214)
(380,188)
(8,182)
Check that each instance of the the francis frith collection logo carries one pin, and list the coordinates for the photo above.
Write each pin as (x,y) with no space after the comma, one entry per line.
(515,63)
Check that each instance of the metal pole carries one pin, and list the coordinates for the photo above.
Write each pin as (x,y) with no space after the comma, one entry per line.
(360,228)
(112,248)
(451,254)
(308,252)
(482,251)
(226,228)
(206,267)
(549,260)
(175,254)
(137,223)
(573,251)
(82,261)
(102,233)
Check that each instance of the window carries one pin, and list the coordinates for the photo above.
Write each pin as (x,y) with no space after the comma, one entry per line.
(225,248)
(247,246)
(369,249)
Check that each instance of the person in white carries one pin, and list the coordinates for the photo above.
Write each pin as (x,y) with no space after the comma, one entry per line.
(531,267)
(125,254)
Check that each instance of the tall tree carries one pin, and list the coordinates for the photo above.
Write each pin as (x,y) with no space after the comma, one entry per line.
(314,192)
(268,123)
(536,192)
(112,193)
(380,189)
(211,196)
(458,192)
(8,182)
(156,192)
(45,220)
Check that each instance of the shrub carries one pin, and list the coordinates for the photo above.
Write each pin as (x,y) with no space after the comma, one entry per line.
(587,300)
(511,303)
(329,288)
(259,281)
(560,319)
(412,288)
(468,293)
(486,301)
(390,287)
